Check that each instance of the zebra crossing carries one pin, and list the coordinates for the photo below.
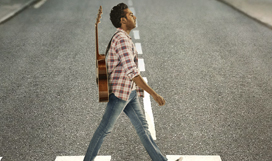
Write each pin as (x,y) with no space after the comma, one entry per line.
(169,157)
(80,158)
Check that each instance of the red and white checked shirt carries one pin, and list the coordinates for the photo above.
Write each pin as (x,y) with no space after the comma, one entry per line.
(122,66)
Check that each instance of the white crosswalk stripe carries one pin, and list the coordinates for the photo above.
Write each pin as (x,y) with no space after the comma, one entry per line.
(39,4)
(132,10)
(130,3)
(194,157)
(141,64)
(80,158)
(149,113)
(139,48)
(169,157)
(136,34)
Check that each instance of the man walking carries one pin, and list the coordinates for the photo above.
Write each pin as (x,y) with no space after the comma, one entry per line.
(125,85)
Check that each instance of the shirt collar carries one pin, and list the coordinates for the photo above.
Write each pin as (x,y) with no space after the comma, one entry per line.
(121,30)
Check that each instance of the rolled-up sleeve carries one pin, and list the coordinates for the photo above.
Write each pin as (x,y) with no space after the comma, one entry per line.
(124,50)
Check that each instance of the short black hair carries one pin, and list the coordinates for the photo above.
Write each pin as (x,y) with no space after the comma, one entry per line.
(117,12)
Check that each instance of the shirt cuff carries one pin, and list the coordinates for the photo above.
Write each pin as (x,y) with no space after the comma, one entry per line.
(133,72)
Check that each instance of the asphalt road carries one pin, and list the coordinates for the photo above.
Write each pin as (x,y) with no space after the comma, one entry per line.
(211,64)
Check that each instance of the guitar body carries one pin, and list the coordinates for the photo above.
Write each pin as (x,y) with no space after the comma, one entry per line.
(102,76)
(101,69)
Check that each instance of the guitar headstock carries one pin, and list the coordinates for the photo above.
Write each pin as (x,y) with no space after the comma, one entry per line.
(98,16)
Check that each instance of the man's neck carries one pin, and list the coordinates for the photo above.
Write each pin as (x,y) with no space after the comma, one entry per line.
(125,29)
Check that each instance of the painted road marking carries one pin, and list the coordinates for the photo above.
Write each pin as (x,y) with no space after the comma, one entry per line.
(132,10)
(146,99)
(39,4)
(136,34)
(149,114)
(141,64)
(139,48)
(130,3)
(0,158)
(194,157)
(169,157)
(80,158)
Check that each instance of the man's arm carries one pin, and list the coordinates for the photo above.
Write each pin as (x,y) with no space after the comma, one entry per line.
(142,84)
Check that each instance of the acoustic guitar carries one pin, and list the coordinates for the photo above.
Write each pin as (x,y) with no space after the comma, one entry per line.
(101,67)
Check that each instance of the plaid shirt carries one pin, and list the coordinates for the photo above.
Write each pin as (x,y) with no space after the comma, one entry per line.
(122,66)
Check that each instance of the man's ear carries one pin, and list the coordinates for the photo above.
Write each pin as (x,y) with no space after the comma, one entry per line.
(123,20)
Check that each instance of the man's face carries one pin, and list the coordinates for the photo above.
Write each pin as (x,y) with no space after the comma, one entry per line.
(131,19)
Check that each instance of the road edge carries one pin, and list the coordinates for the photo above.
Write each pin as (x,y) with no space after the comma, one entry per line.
(15,12)
(245,13)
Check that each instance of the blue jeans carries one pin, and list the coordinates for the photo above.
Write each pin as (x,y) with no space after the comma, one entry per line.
(135,113)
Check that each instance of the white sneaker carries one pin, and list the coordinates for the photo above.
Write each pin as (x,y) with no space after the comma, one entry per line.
(179,159)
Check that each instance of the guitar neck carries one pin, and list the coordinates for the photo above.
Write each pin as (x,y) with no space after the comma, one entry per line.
(98,56)
(96,42)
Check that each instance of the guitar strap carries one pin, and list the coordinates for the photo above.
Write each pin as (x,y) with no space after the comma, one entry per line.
(108,48)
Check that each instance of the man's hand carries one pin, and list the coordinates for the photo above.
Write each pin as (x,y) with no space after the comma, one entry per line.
(142,84)
(159,99)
